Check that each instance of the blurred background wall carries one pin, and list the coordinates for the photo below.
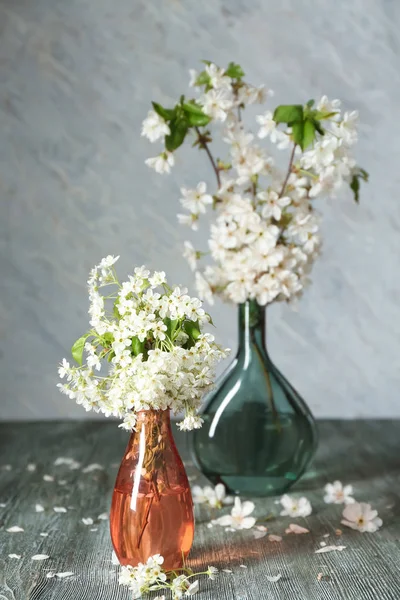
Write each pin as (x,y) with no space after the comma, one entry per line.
(76,79)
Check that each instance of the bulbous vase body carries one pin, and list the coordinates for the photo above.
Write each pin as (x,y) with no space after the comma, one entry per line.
(152,509)
(258,436)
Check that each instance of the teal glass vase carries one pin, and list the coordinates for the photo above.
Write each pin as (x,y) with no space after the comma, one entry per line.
(258,434)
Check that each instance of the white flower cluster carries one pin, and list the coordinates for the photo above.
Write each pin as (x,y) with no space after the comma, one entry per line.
(265,237)
(150,576)
(151,345)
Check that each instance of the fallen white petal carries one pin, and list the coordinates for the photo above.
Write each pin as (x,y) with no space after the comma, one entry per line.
(50,575)
(322,544)
(62,482)
(7,467)
(103,517)
(14,529)
(39,508)
(192,477)
(326,535)
(210,525)
(274,538)
(274,578)
(261,528)
(3,504)
(31,467)
(40,557)
(63,575)
(87,521)
(294,528)
(259,534)
(226,571)
(243,566)
(94,529)
(114,558)
(330,549)
(62,460)
(43,534)
(93,467)
(17,556)
(48,478)
(59,509)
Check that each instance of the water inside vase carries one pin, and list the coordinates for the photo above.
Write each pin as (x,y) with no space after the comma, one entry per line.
(143,524)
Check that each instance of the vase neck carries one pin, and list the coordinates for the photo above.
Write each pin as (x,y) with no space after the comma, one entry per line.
(151,424)
(252,325)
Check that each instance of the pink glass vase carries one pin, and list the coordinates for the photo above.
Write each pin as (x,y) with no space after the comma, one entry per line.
(152,508)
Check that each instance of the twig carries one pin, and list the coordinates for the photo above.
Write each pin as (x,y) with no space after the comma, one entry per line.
(203,144)
(288,172)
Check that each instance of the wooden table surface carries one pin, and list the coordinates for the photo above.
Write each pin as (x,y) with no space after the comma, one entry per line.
(364,453)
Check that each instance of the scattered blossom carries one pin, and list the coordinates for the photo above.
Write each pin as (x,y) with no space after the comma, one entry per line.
(326,549)
(293,507)
(40,557)
(214,497)
(151,576)
(362,517)
(298,529)
(239,517)
(337,493)
(14,529)
(144,362)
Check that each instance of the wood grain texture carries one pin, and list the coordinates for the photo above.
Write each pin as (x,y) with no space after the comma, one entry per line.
(76,80)
(363,453)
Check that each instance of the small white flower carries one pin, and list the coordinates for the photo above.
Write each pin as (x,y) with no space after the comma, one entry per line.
(362,517)
(161,163)
(195,200)
(336,493)
(190,254)
(189,220)
(203,288)
(215,497)
(87,521)
(240,516)
(212,572)
(292,507)
(154,127)
(217,103)
(64,368)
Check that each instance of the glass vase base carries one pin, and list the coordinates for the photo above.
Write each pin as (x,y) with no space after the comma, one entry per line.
(255,486)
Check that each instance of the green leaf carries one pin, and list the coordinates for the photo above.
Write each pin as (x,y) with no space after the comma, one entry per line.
(288,113)
(192,107)
(165,113)
(234,71)
(310,103)
(179,127)
(355,186)
(77,348)
(137,346)
(192,328)
(363,174)
(108,337)
(298,133)
(198,120)
(203,78)
(171,325)
(210,319)
(110,355)
(318,127)
(195,115)
(308,134)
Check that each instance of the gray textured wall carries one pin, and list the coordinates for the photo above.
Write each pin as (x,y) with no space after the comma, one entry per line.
(76,79)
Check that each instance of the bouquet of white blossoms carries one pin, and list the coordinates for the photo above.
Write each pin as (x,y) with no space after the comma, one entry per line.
(265,237)
(151,345)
